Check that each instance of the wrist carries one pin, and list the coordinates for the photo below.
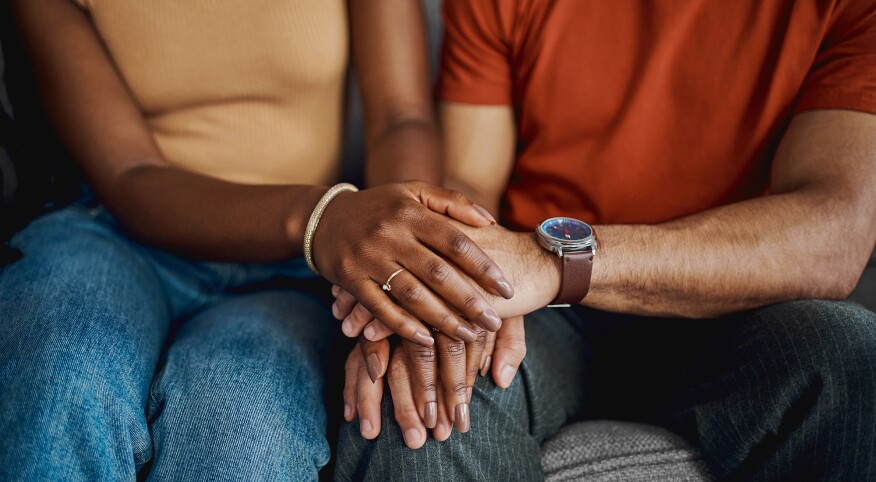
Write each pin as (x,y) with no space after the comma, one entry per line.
(328,213)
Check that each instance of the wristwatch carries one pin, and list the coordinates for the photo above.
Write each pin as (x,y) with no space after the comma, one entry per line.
(575,243)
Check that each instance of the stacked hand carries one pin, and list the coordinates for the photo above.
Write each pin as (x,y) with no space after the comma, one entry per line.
(431,386)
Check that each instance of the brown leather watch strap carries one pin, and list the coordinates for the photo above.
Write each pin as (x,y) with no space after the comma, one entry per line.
(576,278)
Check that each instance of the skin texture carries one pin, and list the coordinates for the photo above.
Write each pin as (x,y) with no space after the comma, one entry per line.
(203,217)
(735,257)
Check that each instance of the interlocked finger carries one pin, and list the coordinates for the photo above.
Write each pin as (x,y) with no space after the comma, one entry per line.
(451,367)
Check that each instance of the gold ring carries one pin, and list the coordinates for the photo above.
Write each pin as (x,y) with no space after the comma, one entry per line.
(386,286)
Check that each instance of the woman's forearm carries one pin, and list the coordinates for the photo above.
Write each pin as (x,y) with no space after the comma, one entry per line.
(209,218)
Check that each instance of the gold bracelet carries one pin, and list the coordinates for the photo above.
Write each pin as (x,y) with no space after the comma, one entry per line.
(314,220)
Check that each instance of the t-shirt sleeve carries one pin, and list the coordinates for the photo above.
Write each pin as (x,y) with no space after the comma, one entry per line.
(843,75)
(476,54)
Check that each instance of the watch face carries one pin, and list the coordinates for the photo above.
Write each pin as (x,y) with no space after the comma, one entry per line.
(566,229)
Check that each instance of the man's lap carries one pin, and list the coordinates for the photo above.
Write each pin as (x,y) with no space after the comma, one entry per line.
(725,384)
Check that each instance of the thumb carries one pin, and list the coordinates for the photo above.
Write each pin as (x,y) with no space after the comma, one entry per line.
(453,204)
(509,352)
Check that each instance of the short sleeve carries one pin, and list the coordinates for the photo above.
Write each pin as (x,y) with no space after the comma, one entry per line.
(843,75)
(476,53)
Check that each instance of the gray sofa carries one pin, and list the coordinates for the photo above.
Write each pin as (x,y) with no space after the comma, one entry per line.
(591,450)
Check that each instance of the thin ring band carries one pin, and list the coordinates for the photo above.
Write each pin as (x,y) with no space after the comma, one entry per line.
(386,286)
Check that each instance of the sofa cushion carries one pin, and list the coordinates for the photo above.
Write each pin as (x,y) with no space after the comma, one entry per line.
(620,451)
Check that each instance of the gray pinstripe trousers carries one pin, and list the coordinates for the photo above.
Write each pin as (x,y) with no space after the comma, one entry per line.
(785,392)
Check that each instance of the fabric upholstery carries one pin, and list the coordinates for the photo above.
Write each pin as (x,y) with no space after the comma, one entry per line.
(618,451)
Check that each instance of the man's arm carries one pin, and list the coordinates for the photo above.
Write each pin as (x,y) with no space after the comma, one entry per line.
(810,238)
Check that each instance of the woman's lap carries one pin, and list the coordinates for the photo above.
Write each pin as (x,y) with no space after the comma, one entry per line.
(86,315)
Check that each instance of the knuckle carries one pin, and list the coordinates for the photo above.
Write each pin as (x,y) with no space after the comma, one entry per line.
(481,340)
(460,388)
(430,386)
(457,196)
(455,349)
(459,245)
(423,354)
(413,293)
(397,370)
(444,320)
(406,211)
(437,271)
(405,412)
(470,303)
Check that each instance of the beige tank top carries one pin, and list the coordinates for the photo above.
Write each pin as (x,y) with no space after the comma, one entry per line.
(248,91)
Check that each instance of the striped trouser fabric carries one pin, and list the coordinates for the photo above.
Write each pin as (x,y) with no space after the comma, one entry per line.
(785,392)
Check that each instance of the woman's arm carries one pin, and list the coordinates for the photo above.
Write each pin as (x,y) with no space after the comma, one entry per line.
(360,240)
(390,56)
(105,132)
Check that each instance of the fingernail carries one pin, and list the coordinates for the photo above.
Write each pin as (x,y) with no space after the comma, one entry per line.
(462,422)
(366,426)
(505,289)
(486,214)
(431,415)
(373,367)
(347,327)
(485,368)
(468,391)
(335,290)
(336,311)
(412,436)
(370,332)
(422,339)
(507,374)
(466,334)
(348,411)
(490,320)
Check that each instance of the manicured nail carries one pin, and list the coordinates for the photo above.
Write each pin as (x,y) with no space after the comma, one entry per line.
(431,415)
(370,332)
(366,426)
(490,320)
(466,334)
(347,327)
(335,290)
(348,412)
(468,392)
(486,214)
(423,339)
(462,422)
(505,289)
(412,436)
(374,367)
(485,368)
(506,374)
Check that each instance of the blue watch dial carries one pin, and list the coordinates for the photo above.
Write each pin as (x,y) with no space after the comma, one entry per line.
(566,229)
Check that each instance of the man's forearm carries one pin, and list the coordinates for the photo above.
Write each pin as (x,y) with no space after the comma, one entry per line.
(735,257)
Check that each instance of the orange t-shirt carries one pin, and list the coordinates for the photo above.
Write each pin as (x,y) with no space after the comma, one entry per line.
(642,111)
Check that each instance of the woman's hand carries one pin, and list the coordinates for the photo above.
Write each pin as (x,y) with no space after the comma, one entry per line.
(364,237)
(431,387)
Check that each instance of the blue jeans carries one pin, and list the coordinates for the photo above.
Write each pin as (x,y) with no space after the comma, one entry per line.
(119,359)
